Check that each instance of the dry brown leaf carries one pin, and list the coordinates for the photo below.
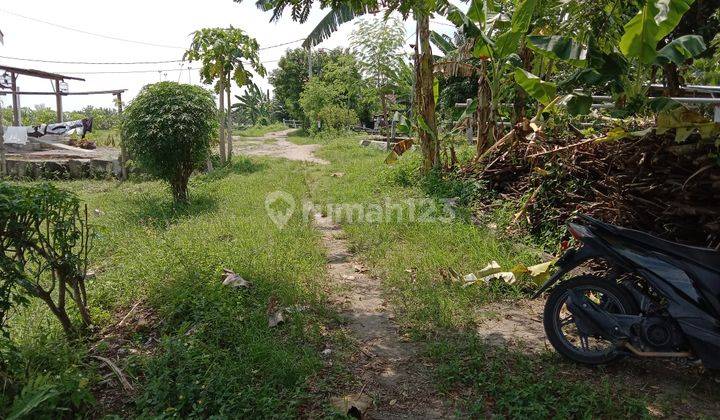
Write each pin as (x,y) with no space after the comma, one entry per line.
(353,405)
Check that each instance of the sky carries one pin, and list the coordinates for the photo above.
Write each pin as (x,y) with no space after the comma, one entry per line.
(168,24)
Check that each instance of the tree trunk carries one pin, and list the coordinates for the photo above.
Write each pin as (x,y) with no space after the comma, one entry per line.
(221,119)
(483,113)
(673,81)
(179,189)
(424,97)
(228,118)
(519,106)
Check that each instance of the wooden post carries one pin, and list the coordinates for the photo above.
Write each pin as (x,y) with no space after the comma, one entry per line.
(3,162)
(123,151)
(228,119)
(309,53)
(58,102)
(717,114)
(471,122)
(221,117)
(15,100)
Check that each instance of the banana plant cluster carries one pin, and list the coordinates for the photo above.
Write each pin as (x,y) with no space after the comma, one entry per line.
(496,39)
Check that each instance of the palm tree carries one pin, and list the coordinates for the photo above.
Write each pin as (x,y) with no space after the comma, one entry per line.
(224,54)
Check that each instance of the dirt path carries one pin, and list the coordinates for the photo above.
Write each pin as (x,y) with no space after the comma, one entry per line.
(276,144)
(395,382)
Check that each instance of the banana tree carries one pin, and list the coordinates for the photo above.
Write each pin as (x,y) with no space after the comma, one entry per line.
(345,11)
(253,105)
(491,55)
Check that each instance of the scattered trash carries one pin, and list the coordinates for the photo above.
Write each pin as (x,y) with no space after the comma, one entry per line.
(346,277)
(99,212)
(337,174)
(354,405)
(229,278)
(536,273)
(274,313)
(296,309)
(359,268)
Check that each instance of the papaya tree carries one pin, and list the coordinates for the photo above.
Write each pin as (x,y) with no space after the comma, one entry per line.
(226,55)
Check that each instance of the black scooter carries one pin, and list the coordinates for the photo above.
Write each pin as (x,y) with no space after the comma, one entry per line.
(654,298)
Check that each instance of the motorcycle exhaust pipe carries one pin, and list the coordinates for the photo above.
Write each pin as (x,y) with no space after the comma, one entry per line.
(640,353)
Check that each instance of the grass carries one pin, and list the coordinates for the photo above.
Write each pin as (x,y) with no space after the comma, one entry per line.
(259,130)
(216,353)
(410,258)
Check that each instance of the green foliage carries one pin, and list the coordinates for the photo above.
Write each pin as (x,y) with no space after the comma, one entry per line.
(377,44)
(222,52)
(253,106)
(539,89)
(655,20)
(167,129)
(339,88)
(289,79)
(44,241)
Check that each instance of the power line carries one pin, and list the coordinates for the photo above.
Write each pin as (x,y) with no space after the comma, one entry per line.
(114,38)
(37,60)
(281,45)
(142,71)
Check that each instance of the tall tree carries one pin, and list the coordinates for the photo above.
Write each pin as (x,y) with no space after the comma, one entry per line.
(345,11)
(377,44)
(224,54)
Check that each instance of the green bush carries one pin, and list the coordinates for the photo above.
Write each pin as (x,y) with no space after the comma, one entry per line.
(44,242)
(336,117)
(167,129)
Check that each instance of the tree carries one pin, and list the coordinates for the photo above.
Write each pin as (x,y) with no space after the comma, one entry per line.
(337,96)
(345,11)
(168,128)
(222,52)
(44,244)
(254,105)
(377,44)
(291,75)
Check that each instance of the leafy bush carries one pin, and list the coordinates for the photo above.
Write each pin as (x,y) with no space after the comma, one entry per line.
(44,241)
(167,129)
(337,117)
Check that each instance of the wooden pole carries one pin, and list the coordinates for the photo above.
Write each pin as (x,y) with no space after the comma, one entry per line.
(15,100)
(228,119)
(221,117)
(3,162)
(123,151)
(58,102)
(309,52)
(471,122)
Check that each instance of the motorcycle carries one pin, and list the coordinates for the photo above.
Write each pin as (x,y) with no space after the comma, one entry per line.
(653,298)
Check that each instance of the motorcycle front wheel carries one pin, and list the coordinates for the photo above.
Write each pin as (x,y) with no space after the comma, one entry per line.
(560,326)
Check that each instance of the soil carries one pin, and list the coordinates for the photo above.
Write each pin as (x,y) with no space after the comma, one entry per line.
(276,145)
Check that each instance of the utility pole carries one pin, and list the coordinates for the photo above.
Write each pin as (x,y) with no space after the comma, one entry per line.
(309,53)
(123,151)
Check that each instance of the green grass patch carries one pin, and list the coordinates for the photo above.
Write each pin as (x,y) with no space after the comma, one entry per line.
(410,257)
(216,354)
(259,130)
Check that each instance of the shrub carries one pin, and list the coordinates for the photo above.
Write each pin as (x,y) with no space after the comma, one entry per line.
(336,117)
(167,129)
(44,241)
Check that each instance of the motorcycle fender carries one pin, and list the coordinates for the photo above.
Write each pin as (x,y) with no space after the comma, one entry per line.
(570,259)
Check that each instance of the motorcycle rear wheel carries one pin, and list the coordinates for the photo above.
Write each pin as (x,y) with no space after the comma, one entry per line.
(558,322)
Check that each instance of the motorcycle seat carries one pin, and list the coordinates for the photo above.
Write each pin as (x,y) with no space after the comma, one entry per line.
(704,256)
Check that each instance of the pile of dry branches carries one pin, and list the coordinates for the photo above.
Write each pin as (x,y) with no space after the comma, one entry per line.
(647,182)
